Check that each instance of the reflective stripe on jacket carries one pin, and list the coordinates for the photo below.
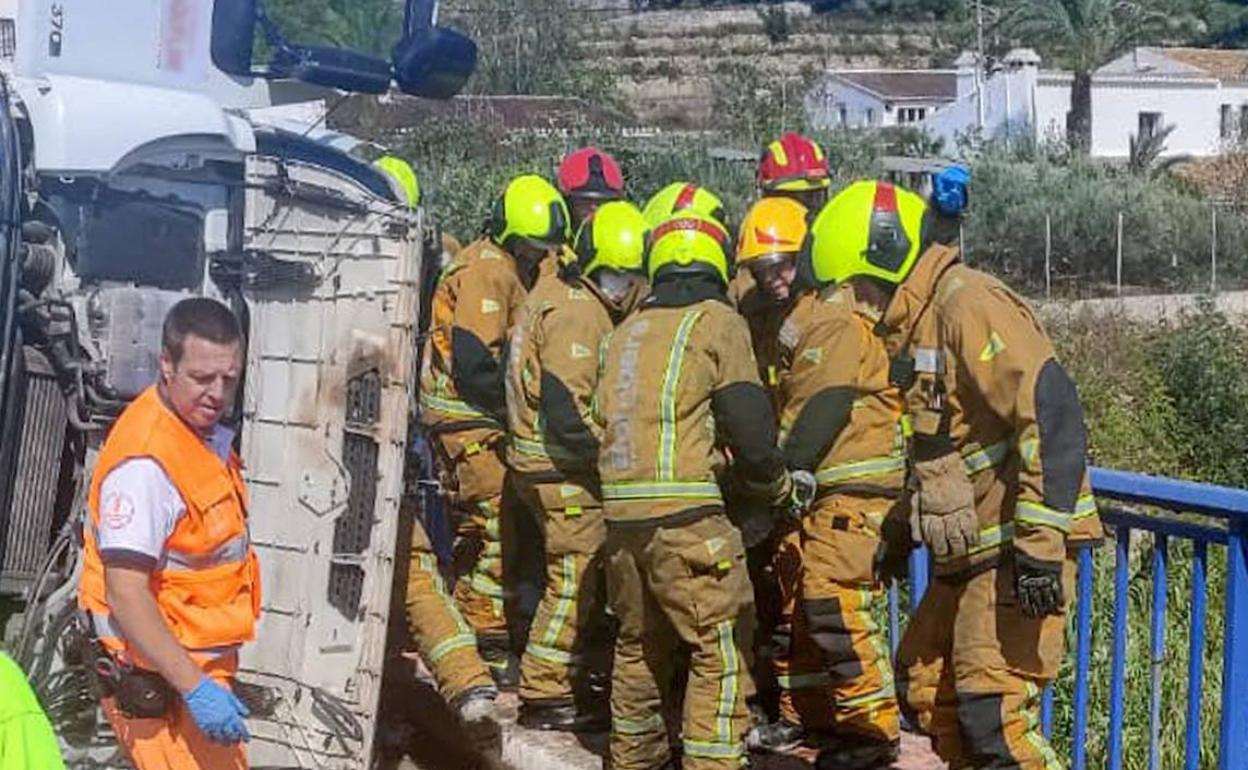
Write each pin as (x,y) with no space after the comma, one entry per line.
(838,392)
(661,369)
(551,378)
(987,383)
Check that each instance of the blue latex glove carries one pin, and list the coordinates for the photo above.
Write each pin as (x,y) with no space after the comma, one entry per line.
(217,712)
(949,190)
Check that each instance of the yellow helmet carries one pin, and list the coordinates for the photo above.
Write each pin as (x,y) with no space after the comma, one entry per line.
(531,210)
(868,229)
(402,174)
(690,242)
(678,196)
(772,228)
(613,237)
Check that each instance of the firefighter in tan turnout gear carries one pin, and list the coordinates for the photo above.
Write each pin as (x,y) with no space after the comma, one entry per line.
(477,301)
(771,237)
(677,376)
(998,457)
(553,449)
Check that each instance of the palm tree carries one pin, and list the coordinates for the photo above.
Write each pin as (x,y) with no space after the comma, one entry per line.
(1086,34)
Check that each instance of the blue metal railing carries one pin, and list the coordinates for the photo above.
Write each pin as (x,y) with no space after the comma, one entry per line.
(1132,502)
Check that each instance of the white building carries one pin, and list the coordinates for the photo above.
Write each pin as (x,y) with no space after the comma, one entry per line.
(1203,93)
(878,98)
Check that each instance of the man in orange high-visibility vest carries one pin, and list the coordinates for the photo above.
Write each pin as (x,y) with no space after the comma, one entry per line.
(171,584)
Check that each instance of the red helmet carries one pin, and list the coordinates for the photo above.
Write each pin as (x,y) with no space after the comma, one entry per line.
(793,163)
(590,173)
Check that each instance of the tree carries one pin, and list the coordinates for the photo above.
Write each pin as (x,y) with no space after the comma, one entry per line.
(1086,34)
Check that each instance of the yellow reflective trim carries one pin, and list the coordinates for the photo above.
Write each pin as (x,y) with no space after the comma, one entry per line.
(429,564)
(451,407)
(1085,506)
(993,536)
(876,466)
(484,584)
(567,595)
(727,683)
(666,467)
(986,457)
(541,450)
(712,749)
(885,693)
(548,654)
(624,726)
(1029,512)
(777,152)
(645,490)
(451,644)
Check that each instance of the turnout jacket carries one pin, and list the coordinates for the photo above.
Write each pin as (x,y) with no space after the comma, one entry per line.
(842,418)
(552,375)
(479,296)
(985,382)
(678,376)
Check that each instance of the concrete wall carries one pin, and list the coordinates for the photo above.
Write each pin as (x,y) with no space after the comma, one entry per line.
(1148,309)
(1191,105)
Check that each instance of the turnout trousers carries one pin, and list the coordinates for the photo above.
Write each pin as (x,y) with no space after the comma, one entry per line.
(806,697)
(840,596)
(666,584)
(474,470)
(444,639)
(972,668)
(174,741)
(570,517)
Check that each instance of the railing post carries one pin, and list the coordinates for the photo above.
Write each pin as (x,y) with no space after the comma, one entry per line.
(920,563)
(1233,735)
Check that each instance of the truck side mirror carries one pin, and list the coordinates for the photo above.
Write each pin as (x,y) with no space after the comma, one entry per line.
(339,68)
(434,62)
(234,36)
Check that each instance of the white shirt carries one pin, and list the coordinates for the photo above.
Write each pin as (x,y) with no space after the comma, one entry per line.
(140,506)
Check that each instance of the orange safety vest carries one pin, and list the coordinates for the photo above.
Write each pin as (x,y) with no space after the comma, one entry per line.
(207,582)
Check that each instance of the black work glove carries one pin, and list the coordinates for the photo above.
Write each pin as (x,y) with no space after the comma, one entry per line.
(892,556)
(1038,585)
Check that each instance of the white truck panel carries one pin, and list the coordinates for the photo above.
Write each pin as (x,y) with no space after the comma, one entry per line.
(344,345)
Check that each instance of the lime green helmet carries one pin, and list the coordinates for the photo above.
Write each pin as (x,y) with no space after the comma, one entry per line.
(613,237)
(690,242)
(530,210)
(679,196)
(402,173)
(872,229)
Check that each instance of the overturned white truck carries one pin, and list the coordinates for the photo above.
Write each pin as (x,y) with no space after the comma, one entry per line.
(142,161)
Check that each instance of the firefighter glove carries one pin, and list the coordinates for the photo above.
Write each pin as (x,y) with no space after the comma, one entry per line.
(803,494)
(217,712)
(892,556)
(1038,585)
(943,510)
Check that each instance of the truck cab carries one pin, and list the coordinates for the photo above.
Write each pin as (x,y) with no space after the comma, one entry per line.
(155,150)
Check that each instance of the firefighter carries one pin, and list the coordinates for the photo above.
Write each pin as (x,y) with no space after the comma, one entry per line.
(682,196)
(588,178)
(447,644)
(463,407)
(998,458)
(772,235)
(553,450)
(402,178)
(677,374)
(843,421)
(794,167)
(170,584)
